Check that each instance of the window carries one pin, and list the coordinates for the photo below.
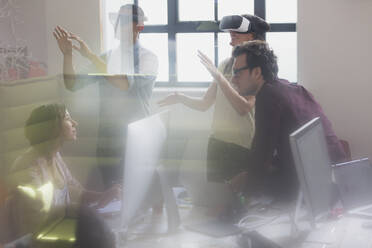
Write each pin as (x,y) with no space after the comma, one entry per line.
(176,29)
(189,68)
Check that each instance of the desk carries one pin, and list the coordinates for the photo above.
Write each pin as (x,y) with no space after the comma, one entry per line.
(345,232)
(352,234)
(182,238)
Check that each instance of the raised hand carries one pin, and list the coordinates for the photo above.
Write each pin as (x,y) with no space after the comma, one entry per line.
(208,64)
(169,100)
(83,48)
(63,40)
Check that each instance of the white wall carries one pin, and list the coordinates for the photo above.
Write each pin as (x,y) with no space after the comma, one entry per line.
(22,24)
(334,51)
(80,17)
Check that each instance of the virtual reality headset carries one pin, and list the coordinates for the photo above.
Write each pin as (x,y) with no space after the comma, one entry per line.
(235,23)
(124,19)
(128,13)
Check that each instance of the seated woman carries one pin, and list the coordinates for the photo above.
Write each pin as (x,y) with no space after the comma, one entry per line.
(45,189)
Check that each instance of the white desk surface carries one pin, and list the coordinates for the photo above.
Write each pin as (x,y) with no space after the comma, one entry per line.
(345,232)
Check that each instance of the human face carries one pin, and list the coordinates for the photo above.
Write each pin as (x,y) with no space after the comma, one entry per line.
(246,80)
(122,31)
(136,30)
(68,131)
(239,38)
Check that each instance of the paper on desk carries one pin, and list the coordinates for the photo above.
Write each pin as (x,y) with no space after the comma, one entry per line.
(112,207)
(182,198)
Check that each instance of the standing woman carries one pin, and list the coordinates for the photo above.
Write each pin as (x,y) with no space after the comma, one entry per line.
(233,124)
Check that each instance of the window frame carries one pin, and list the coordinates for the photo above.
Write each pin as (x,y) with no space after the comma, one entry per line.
(175,26)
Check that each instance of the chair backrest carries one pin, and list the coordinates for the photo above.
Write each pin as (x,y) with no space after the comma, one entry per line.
(347,151)
(7,233)
(3,193)
(3,214)
(17,100)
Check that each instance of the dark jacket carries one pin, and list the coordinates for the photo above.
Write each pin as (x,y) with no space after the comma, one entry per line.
(281,108)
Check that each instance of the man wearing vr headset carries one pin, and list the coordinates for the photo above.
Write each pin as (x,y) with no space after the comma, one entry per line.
(233,119)
(126,77)
(280,109)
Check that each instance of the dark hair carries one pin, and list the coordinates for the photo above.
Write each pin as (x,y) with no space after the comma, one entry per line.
(259,26)
(259,54)
(135,10)
(135,13)
(91,231)
(44,125)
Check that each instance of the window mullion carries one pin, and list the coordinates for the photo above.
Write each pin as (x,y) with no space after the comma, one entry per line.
(172,46)
(260,8)
(216,33)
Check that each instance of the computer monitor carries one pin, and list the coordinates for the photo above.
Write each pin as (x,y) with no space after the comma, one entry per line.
(313,166)
(145,180)
(354,181)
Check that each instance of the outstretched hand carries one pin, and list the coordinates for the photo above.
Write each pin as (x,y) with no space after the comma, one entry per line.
(208,64)
(83,48)
(169,100)
(63,40)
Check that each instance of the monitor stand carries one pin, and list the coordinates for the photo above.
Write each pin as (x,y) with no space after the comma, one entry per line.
(173,215)
(294,216)
(150,223)
(326,233)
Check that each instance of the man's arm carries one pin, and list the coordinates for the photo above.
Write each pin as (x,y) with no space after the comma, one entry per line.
(201,104)
(148,72)
(68,72)
(242,105)
(64,40)
(65,45)
(85,51)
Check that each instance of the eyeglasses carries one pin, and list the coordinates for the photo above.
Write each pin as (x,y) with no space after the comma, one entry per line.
(236,72)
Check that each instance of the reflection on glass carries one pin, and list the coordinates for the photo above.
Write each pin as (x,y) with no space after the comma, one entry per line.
(110,6)
(114,5)
(155,10)
(158,44)
(189,68)
(224,48)
(196,10)
(234,7)
(281,11)
(285,48)
(44,193)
